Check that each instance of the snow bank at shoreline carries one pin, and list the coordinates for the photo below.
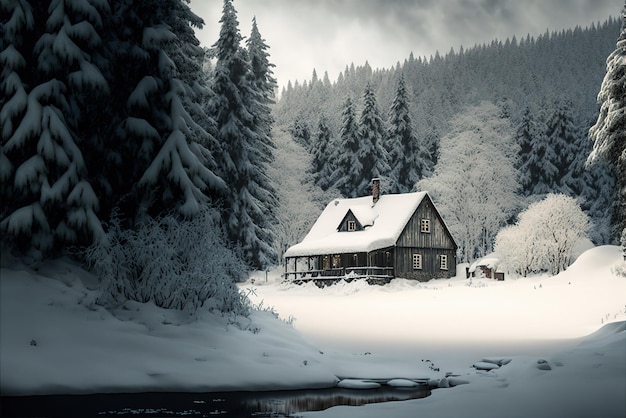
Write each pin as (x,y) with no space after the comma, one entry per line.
(54,341)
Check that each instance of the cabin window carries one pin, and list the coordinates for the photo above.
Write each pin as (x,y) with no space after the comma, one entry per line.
(351,226)
(417,261)
(425,225)
(326,262)
(355,260)
(336,261)
(443,262)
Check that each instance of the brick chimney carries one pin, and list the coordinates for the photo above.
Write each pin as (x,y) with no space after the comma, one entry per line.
(375,190)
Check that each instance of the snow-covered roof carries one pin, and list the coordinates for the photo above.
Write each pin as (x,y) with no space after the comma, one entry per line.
(383,223)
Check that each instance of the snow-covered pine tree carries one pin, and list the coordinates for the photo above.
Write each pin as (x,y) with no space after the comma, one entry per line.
(540,165)
(234,102)
(405,150)
(598,201)
(50,77)
(576,180)
(300,132)
(371,153)
(525,134)
(262,78)
(393,144)
(321,150)
(18,37)
(562,137)
(261,187)
(346,176)
(608,133)
(162,150)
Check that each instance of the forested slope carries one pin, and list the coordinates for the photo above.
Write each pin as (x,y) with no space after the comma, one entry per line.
(544,90)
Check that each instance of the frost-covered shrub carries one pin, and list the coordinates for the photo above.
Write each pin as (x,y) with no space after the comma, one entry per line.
(178,264)
(544,236)
(517,250)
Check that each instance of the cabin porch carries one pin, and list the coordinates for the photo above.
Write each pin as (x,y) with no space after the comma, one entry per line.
(376,266)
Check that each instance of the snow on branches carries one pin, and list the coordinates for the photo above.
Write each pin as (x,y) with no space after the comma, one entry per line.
(544,236)
(475,181)
(173,263)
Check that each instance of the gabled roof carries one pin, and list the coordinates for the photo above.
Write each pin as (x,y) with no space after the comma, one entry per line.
(383,223)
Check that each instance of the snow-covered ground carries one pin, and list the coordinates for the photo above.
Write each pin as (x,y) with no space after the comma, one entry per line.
(53,339)
(534,322)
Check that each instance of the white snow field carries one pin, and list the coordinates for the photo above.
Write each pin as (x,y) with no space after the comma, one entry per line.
(559,342)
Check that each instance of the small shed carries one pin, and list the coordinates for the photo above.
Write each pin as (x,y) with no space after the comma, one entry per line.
(486,267)
(379,237)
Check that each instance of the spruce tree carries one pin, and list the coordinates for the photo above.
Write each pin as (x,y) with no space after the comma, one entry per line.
(49,75)
(525,133)
(155,152)
(262,79)
(263,87)
(598,201)
(179,170)
(540,165)
(322,151)
(371,152)
(577,180)
(300,132)
(407,156)
(346,176)
(562,138)
(233,107)
(608,133)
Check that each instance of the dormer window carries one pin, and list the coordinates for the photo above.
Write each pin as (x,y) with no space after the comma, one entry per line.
(351,226)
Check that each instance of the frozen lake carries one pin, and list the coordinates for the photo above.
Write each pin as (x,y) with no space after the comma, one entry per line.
(226,404)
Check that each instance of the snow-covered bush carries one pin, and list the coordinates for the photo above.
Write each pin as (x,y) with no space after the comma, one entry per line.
(177,264)
(544,236)
(517,250)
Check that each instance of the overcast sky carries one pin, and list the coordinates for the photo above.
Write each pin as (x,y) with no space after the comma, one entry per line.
(327,35)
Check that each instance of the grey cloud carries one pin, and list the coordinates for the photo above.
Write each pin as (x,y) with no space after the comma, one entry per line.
(330,34)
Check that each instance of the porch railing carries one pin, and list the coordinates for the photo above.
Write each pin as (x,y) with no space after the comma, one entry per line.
(340,273)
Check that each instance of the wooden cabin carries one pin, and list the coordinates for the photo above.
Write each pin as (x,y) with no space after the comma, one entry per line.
(379,237)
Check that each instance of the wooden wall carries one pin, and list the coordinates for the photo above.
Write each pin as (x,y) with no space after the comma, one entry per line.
(438,237)
(431,262)
(431,245)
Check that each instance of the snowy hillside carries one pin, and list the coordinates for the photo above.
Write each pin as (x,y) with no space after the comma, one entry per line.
(54,340)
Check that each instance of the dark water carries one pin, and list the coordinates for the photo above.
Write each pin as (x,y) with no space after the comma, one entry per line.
(226,404)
